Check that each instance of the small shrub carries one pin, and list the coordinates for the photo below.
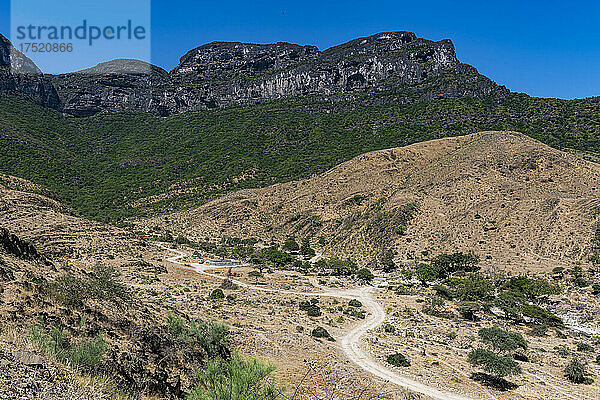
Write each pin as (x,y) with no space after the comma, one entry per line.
(562,351)
(580,281)
(364,275)
(290,244)
(427,273)
(355,303)
(89,352)
(236,379)
(541,315)
(177,327)
(443,291)
(388,328)
(398,360)
(584,347)
(468,309)
(212,336)
(102,284)
(217,294)
(576,373)
(311,309)
(501,340)
(538,330)
(320,332)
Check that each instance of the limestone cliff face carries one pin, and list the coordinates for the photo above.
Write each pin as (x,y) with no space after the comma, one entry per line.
(222,74)
(20,76)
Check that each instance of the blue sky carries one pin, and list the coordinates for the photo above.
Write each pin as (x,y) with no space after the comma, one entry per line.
(544,48)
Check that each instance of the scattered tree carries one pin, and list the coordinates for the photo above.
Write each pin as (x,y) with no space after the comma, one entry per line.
(398,360)
(427,273)
(305,249)
(447,264)
(499,361)
(387,261)
(494,364)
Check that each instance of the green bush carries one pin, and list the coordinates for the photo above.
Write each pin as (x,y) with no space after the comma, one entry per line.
(474,288)
(585,347)
(102,284)
(443,291)
(468,309)
(278,258)
(541,315)
(500,361)
(576,372)
(538,330)
(501,340)
(68,289)
(427,272)
(312,309)
(89,352)
(236,379)
(305,248)
(320,332)
(511,304)
(533,288)
(364,275)
(355,303)
(448,264)
(290,244)
(86,353)
(580,281)
(217,294)
(398,360)
(212,336)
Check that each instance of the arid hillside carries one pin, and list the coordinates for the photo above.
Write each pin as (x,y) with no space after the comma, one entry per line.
(514,201)
(74,306)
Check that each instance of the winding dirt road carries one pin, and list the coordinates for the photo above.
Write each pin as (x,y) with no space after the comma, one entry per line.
(350,342)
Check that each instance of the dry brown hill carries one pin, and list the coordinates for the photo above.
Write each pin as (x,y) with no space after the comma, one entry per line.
(513,200)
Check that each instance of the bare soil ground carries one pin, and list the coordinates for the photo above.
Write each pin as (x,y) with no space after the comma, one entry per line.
(519,204)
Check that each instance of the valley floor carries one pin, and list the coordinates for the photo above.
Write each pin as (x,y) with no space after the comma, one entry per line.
(270,327)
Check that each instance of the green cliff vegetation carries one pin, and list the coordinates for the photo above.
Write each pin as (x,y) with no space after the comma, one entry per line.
(103,165)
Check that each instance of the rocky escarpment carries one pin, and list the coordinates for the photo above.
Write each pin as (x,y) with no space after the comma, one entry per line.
(20,76)
(119,85)
(221,74)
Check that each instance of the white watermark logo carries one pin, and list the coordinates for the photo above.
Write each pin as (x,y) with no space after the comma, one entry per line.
(66,36)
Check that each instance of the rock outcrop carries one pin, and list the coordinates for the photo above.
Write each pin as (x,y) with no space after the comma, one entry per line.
(12,244)
(222,74)
(20,76)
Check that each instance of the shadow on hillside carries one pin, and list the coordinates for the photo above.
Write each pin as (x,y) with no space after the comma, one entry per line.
(493,381)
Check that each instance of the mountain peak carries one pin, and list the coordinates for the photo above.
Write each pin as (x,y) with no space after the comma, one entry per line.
(398,66)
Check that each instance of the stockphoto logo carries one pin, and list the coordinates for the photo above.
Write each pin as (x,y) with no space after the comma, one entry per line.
(85,32)
(65,36)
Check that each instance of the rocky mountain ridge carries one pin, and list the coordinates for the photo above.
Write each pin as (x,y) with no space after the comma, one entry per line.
(222,74)
(20,76)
